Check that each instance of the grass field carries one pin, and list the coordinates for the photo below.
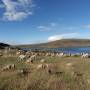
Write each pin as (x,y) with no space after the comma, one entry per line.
(63,75)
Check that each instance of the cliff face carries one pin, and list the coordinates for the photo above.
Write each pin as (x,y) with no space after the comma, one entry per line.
(60,43)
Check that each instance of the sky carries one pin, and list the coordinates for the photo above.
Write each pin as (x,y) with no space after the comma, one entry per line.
(38,21)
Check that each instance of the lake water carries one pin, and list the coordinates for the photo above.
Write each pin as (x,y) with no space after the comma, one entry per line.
(65,50)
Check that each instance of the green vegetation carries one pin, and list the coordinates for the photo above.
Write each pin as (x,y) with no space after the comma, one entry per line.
(61,78)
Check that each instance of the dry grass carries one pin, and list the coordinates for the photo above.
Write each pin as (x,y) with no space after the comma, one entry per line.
(69,73)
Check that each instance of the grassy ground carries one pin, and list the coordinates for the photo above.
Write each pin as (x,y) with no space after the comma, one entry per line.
(61,78)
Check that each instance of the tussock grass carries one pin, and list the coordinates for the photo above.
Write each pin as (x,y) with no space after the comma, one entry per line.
(63,76)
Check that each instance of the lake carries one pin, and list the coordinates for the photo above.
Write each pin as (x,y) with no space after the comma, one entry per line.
(65,50)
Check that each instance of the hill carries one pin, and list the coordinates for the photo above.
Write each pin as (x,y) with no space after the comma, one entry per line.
(60,43)
(3,45)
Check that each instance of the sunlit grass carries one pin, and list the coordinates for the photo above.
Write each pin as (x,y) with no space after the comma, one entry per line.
(62,77)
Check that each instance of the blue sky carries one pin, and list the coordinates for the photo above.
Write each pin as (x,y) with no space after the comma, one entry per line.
(36,21)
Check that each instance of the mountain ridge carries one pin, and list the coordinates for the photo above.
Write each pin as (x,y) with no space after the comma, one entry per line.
(3,45)
(59,43)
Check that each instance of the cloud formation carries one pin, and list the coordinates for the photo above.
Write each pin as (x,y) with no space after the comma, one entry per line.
(17,10)
(44,28)
(48,27)
(87,26)
(62,36)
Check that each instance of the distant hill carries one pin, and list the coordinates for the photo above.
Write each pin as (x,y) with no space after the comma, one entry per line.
(60,43)
(3,45)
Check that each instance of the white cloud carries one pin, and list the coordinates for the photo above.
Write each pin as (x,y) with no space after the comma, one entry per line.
(44,28)
(87,26)
(55,37)
(62,36)
(19,16)
(48,27)
(17,10)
